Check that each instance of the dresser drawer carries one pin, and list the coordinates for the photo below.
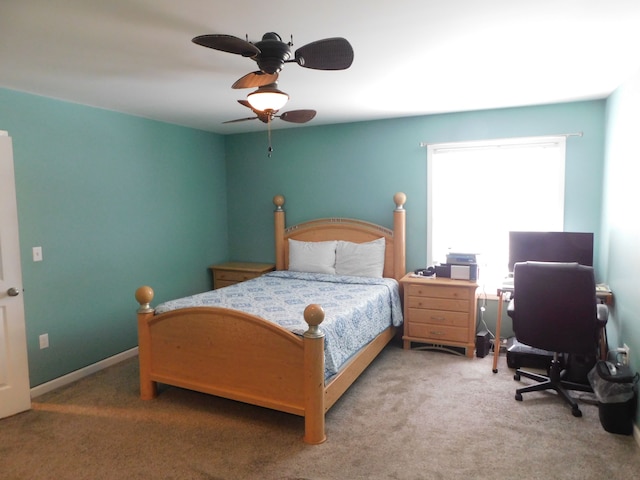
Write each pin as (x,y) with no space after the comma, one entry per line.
(230,273)
(234,277)
(438,291)
(438,303)
(438,333)
(223,283)
(438,317)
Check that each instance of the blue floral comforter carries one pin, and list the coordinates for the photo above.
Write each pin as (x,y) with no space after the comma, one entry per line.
(356,309)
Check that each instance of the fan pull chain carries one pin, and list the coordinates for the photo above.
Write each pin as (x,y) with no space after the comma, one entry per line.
(270,149)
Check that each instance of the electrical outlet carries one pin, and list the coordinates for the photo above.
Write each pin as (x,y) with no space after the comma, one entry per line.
(625,348)
(622,354)
(37,254)
(44,341)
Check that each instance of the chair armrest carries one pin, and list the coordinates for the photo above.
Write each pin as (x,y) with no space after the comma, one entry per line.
(602,314)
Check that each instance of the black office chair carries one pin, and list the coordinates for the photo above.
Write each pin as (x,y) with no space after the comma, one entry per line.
(554,308)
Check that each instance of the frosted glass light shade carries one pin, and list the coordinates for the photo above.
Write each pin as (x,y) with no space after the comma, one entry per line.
(267,98)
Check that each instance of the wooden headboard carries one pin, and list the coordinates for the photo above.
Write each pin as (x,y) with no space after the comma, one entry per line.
(347,229)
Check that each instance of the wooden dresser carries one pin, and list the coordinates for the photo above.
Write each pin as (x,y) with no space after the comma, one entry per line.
(229,273)
(440,312)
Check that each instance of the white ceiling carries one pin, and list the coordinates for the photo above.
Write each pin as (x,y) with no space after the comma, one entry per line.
(412,57)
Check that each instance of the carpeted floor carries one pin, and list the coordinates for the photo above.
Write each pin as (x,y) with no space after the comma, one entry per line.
(412,415)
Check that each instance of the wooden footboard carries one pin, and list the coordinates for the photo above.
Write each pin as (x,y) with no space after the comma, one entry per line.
(235,355)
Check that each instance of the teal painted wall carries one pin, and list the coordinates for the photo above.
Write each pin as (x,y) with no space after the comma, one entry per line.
(620,257)
(354,170)
(116,202)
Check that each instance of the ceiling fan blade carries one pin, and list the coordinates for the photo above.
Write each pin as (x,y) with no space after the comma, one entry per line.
(328,54)
(245,103)
(240,120)
(298,116)
(227,43)
(255,79)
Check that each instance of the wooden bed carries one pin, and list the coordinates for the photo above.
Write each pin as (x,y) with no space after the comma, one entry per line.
(243,357)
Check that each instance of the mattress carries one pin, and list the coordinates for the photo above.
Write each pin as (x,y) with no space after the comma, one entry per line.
(356,309)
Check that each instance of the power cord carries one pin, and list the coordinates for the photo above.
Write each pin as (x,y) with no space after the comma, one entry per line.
(483,308)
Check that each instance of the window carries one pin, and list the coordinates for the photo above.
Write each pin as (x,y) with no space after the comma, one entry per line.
(478,191)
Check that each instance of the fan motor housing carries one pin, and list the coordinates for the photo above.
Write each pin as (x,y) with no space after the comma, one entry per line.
(273,53)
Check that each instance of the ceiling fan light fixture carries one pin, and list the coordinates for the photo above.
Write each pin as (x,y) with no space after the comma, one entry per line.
(268,98)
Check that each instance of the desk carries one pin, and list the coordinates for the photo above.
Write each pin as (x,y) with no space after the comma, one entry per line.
(603,297)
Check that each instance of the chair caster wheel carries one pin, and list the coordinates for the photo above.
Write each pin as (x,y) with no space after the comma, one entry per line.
(576,412)
(519,397)
(495,370)
(516,377)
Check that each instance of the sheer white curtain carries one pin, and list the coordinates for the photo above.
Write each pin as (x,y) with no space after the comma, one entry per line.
(479,191)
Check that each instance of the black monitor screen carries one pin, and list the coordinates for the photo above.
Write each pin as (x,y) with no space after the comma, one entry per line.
(550,247)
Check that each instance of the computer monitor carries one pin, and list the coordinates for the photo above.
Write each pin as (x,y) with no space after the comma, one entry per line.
(550,247)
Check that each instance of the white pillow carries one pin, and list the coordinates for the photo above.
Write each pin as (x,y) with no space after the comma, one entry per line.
(312,257)
(360,259)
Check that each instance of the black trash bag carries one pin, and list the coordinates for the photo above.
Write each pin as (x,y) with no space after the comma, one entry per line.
(615,387)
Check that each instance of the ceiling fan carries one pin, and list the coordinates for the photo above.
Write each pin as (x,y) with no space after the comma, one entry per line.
(293,116)
(271,53)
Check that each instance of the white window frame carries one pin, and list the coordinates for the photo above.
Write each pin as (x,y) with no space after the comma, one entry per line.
(458,188)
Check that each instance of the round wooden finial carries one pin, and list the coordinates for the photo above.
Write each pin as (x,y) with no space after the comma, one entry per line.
(144,295)
(278,201)
(400,199)
(314,314)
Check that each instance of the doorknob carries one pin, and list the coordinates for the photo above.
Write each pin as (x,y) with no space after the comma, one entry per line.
(13,292)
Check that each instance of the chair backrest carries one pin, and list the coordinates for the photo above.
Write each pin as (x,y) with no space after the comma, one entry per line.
(555,306)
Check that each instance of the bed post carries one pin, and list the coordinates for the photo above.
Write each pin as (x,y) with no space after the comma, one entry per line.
(278,223)
(148,388)
(314,392)
(399,234)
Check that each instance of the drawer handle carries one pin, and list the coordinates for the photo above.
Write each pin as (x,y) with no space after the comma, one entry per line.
(441,319)
(436,333)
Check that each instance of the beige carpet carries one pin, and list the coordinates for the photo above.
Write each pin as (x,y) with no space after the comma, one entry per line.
(412,415)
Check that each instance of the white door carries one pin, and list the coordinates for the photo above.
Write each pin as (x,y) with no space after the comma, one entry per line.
(14,372)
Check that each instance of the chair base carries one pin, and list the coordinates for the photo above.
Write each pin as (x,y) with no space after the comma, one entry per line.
(553,382)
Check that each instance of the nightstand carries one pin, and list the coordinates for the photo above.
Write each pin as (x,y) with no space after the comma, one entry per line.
(440,312)
(229,273)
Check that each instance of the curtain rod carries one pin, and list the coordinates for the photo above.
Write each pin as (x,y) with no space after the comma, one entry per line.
(576,134)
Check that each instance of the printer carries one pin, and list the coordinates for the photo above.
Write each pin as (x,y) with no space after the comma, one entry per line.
(459,266)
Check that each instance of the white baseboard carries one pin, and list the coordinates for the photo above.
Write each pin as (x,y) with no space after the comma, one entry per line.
(83,372)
